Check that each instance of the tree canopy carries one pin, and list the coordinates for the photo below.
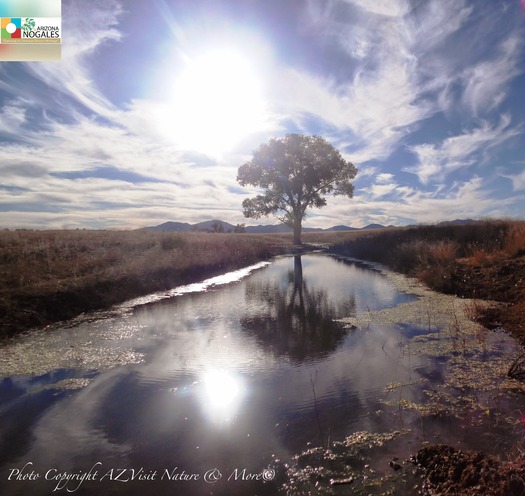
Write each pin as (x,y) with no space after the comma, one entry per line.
(295,172)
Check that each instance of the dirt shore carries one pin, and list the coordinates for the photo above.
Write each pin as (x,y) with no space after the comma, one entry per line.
(462,473)
(500,279)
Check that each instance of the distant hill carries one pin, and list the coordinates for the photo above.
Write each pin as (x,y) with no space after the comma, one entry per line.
(209,225)
(213,225)
(222,226)
(342,228)
(373,226)
(171,226)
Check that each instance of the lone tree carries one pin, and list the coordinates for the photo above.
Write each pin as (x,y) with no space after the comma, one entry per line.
(295,171)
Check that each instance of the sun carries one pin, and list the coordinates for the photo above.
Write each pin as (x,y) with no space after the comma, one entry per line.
(215,102)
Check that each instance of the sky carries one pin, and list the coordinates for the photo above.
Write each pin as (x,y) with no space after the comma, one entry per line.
(156,103)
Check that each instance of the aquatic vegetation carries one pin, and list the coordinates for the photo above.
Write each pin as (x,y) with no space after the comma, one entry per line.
(68,384)
(476,360)
(43,351)
(320,470)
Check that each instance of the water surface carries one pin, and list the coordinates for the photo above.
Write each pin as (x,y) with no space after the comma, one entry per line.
(221,378)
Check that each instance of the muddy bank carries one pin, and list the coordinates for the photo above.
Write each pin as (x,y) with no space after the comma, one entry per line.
(499,279)
(34,307)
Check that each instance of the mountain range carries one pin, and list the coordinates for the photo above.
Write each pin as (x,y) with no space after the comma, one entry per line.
(222,226)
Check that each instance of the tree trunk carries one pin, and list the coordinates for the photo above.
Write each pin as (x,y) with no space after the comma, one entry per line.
(297,228)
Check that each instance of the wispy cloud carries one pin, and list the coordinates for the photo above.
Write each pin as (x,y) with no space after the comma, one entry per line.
(389,8)
(469,199)
(518,180)
(366,171)
(405,68)
(13,117)
(86,26)
(384,178)
(435,161)
(388,92)
(486,83)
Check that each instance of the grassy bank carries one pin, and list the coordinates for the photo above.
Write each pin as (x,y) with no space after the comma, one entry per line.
(46,276)
(483,260)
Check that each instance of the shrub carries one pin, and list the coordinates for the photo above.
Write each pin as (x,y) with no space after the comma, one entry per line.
(515,241)
(432,252)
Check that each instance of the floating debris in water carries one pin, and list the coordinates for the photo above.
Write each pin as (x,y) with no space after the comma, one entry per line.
(340,482)
(394,465)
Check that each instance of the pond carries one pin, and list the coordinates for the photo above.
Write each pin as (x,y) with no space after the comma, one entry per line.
(213,388)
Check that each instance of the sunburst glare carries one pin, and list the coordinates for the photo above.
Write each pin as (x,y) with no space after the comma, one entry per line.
(216,101)
(222,393)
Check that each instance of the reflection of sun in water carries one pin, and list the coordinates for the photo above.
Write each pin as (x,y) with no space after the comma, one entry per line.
(216,102)
(222,393)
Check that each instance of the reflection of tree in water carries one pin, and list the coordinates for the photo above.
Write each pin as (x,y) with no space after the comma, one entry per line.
(292,319)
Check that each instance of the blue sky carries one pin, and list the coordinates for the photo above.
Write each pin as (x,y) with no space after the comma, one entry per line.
(156,104)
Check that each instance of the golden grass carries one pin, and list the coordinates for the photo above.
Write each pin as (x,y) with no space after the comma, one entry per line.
(437,248)
(55,258)
(515,241)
